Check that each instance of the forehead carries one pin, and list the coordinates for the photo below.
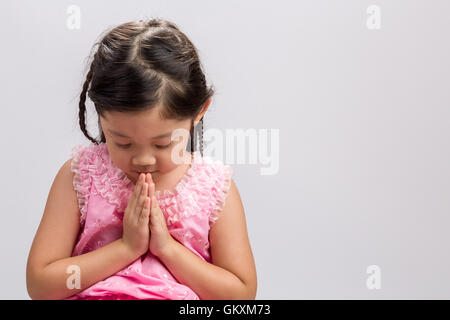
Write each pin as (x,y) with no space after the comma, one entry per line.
(124,119)
(146,123)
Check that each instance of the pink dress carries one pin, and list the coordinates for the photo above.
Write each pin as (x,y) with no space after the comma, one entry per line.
(190,209)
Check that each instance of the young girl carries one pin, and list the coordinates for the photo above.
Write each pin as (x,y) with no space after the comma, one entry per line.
(137,215)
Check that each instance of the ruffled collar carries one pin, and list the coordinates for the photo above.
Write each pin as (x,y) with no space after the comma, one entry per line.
(128,184)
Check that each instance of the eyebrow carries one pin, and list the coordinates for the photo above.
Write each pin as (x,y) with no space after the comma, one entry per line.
(124,136)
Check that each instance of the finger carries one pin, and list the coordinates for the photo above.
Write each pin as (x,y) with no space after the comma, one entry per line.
(155,213)
(154,202)
(152,190)
(140,204)
(149,180)
(136,192)
(145,214)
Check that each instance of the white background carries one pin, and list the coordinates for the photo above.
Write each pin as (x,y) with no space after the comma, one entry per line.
(364,122)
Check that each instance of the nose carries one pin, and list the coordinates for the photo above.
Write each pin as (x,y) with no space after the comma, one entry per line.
(143,163)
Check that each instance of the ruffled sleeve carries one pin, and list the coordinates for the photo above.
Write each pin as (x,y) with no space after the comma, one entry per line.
(82,179)
(220,189)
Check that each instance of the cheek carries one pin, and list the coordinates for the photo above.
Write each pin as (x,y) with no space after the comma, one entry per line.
(165,163)
(119,159)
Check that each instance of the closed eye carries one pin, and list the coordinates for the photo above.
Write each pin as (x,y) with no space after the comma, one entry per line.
(163,147)
(126,146)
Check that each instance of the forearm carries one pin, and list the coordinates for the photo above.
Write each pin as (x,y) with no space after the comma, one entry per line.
(208,281)
(51,281)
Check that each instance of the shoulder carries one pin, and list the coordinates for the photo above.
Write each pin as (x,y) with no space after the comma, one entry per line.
(62,199)
(64,179)
(65,175)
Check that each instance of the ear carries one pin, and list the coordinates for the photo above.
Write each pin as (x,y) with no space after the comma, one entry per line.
(200,115)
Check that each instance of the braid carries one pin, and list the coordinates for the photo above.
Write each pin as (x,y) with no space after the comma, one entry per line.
(82,106)
(201,138)
(195,135)
(191,135)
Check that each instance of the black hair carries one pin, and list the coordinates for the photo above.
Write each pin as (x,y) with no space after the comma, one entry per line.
(139,65)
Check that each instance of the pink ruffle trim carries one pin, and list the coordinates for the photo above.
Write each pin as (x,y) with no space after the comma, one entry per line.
(220,191)
(202,190)
(92,166)
(81,180)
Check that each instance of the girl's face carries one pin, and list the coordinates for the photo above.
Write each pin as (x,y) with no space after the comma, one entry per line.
(142,142)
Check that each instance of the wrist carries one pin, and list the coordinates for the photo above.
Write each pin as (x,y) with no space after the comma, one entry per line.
(127,252)
(167,250)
